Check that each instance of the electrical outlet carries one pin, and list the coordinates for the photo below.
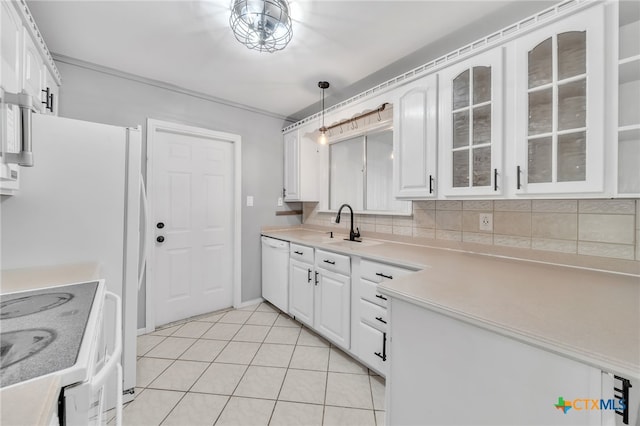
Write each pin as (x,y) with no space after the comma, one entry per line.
(486,222)
(279,201)
(249,200)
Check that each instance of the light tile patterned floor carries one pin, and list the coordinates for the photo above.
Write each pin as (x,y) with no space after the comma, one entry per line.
(252,366)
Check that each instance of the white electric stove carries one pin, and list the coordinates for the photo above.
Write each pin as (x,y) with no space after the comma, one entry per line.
(61,331)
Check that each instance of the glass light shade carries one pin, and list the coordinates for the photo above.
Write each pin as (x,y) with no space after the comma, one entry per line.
(323,138)
(263,25)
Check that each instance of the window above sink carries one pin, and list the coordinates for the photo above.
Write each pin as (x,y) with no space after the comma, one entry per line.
(360,172)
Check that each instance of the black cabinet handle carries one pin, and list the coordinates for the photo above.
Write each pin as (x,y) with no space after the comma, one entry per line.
(298,252)
(330,262)
(380,274)
(48,99)
(160,239)
(308,275)
(518,174)
(160,225)
(284,192)
(495,179)
(381,320)
(430,184)
(383,355)
(316,277)
(379,296)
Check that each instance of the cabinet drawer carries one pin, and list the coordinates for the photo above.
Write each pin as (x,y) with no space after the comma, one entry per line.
(301,253)
(333,262)
(378,272)
(369,291)
(372,347)
(374,315)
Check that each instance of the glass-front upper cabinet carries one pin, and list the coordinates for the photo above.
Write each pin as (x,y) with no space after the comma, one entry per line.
(560,126)
(471,120)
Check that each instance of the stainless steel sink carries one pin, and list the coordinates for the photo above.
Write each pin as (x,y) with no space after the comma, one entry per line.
(354,244)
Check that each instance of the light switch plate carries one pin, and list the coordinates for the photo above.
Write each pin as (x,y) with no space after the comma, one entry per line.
(486,222)
(249,200)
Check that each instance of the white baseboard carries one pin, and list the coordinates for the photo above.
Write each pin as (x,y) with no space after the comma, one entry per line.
(142,331)
(249,303)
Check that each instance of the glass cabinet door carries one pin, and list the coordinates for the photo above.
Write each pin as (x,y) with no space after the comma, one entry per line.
(471,124)
(556,130)
(560,84)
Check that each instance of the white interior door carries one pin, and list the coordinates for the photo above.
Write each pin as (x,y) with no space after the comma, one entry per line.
(192,196)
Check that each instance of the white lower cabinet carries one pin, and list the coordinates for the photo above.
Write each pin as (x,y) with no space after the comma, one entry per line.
(301,289)
(446,371)
(320,292)
(332,310)
(372,347)
(332,317)
(371,315)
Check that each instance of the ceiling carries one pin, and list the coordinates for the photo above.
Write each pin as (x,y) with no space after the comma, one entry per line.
(189,43)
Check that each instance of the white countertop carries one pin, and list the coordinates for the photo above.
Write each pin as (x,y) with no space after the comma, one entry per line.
(22,279)
(587,315)
(32,403)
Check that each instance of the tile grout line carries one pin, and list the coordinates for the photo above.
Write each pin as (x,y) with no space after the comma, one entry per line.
(243,374)
(330,347)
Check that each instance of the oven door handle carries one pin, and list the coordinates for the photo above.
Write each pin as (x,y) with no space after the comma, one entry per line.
(113,359)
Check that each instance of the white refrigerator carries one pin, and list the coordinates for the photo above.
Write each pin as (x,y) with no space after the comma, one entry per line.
(82,201)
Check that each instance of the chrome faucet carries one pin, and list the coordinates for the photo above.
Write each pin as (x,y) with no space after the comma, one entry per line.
(352,234)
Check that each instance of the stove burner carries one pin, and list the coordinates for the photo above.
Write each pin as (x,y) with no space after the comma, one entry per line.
(28,305)
(18,345)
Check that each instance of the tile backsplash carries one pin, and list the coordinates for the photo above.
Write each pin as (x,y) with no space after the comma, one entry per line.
(606,228)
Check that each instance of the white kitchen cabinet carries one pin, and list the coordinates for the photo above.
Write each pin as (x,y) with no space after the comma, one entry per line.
(469,375)
(11,53)
(33,70)
(301,160)
(628,89)
(372,347)
(415,140)
(471,121)
(560,106)
(370,313)
(26,67)
(332,310)
(301,283)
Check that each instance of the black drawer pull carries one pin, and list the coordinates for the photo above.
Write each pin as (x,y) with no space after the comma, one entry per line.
(430,184)
(518,172)
(381,320)
(308,275)
(379,296)
(384,276)
(316,277)
(495,179)
(299,252)
(330,262)
(383,355)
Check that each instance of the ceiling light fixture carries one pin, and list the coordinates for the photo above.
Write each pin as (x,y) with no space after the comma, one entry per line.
(323,130)
(262,25)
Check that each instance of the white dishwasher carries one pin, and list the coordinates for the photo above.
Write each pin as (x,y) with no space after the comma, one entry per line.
(275,272)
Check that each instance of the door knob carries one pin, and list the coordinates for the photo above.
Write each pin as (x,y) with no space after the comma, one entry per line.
(160,225)
(160,239)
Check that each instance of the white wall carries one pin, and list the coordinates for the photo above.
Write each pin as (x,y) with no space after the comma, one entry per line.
(92,95)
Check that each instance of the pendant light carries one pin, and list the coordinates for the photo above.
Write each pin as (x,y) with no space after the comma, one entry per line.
(323,130)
